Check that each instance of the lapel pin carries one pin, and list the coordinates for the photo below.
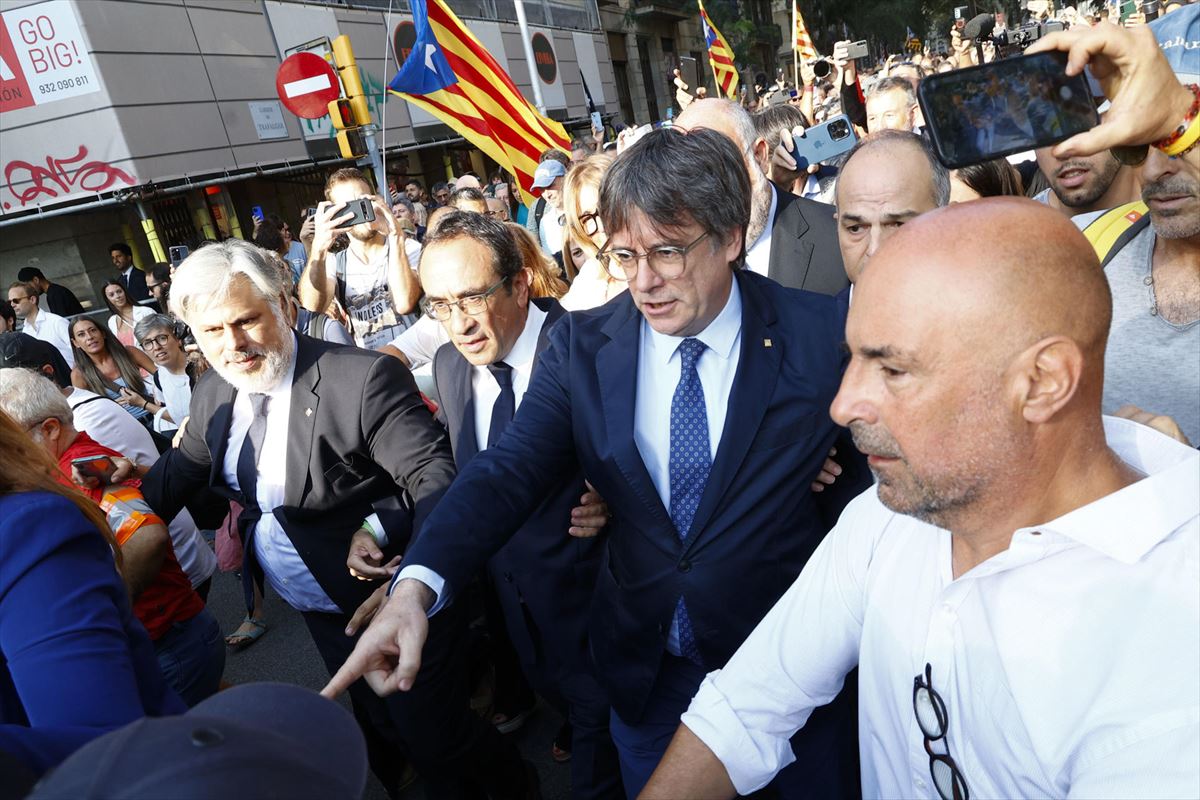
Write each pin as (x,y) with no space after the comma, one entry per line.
(308,412)
(766,342)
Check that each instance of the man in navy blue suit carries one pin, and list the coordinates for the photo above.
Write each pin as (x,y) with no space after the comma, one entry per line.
(697,404)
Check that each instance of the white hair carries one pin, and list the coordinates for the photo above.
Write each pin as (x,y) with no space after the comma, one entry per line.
(205,276)
(30,397)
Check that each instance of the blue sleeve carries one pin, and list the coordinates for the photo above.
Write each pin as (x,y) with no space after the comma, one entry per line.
(68,672)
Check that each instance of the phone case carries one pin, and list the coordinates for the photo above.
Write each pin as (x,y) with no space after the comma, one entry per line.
(819,144)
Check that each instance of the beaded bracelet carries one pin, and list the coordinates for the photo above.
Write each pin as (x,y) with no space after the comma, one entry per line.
(1185,136)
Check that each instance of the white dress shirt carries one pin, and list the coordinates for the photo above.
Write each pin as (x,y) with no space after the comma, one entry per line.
(285,570)
(53,329)
(521,358)
(1068,663)
(758,253)
(658,376)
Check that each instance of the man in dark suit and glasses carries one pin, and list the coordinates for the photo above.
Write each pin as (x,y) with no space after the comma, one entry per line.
(310,437)
(543,578)
(697,404)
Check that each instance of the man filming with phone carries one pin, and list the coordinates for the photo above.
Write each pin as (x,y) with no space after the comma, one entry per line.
(372,279)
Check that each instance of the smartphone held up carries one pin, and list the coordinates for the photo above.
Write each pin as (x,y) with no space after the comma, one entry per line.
(1008,106)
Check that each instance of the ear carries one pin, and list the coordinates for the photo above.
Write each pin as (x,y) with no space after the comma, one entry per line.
(521,285)
(1048,377)
(733,245)
(762,155)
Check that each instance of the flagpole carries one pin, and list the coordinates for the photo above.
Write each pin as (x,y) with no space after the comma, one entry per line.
(795,52)
(534,78)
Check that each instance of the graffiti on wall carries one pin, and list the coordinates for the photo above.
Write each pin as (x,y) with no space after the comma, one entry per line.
(60,177)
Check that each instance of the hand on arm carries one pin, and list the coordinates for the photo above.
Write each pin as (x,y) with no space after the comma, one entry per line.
(1160,422)
(590,516)
(828,474)
(388,655)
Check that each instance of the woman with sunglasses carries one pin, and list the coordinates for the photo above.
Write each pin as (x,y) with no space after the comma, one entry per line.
(125,315)
(111,369)
(592,286)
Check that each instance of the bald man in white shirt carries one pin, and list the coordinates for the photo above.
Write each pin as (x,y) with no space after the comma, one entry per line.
(1019,589)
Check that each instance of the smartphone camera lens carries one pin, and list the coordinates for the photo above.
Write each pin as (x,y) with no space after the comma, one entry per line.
(839,129)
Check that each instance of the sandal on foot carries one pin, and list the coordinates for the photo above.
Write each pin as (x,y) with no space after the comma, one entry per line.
(560,748)
(243,637)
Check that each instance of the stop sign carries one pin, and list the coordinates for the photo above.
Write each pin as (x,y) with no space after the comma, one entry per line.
(307,85)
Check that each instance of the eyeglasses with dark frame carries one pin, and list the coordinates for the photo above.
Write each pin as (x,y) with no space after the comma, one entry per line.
(472,304)
(934,722)
(156,341)
(667,261)
(12,301)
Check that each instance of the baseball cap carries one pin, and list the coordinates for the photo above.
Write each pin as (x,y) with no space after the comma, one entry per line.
(22,350)
(261,740)
(545,174)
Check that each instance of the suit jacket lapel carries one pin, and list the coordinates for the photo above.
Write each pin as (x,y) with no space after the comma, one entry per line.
(302,420)
(616,369)
(217,434)
(753,387)
(462,405)
(792,225)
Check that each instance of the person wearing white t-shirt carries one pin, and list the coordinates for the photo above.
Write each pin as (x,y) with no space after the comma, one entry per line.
(1019,589)
(171,383)
(373,278)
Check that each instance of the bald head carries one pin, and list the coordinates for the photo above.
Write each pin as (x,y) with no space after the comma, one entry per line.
(723,116)
(977,341)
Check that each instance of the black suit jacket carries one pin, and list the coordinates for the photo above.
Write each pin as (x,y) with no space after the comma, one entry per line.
(135,286)
(757,522)
(359,439)
(544,577)
(804,246)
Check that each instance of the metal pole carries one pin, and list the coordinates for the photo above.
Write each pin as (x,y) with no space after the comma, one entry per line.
(368,132)
(534,78)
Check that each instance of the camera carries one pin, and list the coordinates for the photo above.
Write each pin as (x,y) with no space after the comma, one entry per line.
(1022,36)
(839,129)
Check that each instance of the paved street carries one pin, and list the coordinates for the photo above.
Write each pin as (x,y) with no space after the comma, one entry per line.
(286,653)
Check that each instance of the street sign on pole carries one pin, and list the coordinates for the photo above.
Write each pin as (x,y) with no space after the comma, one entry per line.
(306,84)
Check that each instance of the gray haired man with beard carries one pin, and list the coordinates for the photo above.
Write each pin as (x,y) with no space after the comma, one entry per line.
(311,438)
(1152,366)
(790,239)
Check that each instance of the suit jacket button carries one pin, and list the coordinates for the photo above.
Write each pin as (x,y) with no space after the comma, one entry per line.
(685,566)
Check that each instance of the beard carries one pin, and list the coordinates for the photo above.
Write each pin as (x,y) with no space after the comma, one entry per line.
(273,367)
(1178,223)
(1090,192)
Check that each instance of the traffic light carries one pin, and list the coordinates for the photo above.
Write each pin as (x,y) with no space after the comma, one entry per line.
(349,137)
(347,67)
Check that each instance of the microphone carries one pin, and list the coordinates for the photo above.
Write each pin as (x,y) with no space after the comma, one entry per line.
(979,27)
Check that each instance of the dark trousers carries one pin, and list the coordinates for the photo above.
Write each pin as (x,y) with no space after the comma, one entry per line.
(457,754)
(595,770)
(825,747)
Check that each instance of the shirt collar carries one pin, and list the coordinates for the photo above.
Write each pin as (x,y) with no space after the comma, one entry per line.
(520,355)
(1127,524)
(720,336)
(764,238)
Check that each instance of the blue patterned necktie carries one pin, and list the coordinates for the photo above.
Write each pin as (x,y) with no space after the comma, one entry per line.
(690,462)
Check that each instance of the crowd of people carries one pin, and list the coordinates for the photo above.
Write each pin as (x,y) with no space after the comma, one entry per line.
(861,478)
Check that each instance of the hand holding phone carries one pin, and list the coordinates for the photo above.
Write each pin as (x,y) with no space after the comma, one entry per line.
(97,469)
(822,142)
(361,209)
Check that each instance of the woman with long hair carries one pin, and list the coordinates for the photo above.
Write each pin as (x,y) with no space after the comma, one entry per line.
(593,286)
(74,660)
(110,369)
(125,314)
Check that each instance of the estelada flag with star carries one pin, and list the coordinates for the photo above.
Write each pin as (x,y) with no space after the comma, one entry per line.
(804,43)
(720,56)
(450,74)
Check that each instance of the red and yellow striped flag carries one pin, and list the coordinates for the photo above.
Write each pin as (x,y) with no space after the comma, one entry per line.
(720,56)
(450,74)
(804,43)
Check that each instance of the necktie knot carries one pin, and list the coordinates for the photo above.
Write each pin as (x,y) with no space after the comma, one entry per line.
(690,351)
(258,403)
(502,373)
